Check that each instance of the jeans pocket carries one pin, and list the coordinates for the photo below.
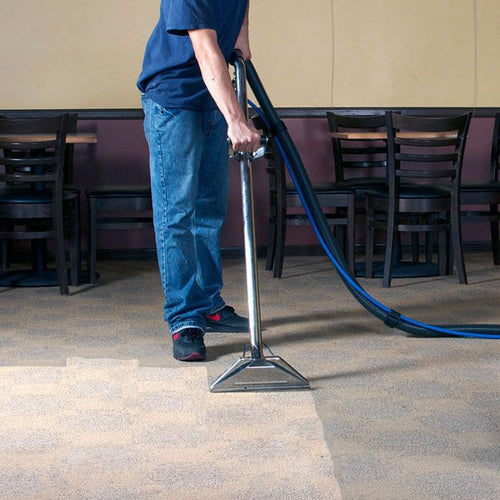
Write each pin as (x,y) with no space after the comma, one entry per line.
(154,109)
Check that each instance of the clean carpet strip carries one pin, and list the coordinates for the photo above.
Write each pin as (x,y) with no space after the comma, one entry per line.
(104,428)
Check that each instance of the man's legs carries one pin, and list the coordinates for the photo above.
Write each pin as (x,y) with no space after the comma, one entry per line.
(176,141)
(211,207)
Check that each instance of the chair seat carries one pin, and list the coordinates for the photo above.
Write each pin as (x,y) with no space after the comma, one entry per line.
(480,193)
(119,191)
(323,187)
(414,191)
(72,188)
(22,196)
(473,186)
(382,189)
(361,185)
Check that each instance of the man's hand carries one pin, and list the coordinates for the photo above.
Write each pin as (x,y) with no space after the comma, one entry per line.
(242,44)
(244,136)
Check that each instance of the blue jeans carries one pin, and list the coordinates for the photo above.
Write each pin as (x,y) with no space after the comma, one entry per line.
(189,182)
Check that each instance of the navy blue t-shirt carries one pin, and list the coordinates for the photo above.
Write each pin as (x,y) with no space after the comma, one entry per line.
(170,73)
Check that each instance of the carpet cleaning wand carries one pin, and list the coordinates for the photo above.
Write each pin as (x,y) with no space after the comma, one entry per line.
(255,372)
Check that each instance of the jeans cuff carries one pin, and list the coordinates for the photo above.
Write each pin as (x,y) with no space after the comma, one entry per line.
(220,304)
(187,324)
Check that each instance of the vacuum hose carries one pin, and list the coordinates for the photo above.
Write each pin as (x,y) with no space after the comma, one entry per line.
(319,223)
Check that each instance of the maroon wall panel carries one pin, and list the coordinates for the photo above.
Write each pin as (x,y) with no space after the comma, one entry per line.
(121,156)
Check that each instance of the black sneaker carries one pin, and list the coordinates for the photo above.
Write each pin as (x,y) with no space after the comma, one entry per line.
(226,320)
(189,345)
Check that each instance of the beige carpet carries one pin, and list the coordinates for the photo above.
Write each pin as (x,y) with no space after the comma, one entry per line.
(109,429)
(404,418)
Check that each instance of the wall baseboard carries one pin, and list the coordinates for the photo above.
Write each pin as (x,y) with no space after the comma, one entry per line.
(291,251)
(239,252)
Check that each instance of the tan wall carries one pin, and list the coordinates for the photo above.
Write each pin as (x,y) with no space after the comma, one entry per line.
(312,53)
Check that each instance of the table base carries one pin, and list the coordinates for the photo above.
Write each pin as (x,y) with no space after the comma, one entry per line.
(30,278)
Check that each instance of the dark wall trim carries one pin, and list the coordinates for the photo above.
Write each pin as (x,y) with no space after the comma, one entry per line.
(321,112)
(83,114)
(137,113)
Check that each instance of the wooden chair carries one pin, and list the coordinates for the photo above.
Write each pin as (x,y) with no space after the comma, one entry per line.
(113,207)
(487,192)
(33,204)
(23,127)
(360,164)
(423,192)
(338,203)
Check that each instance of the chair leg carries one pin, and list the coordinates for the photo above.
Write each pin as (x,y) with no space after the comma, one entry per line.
(398,248)
(449,254)
(389,249)
(272,229)
(415,250)
(280,247)
(456,236)
(280,236)
(75,256)
(429,241)
(5,250)
(442,252)
(369,238)
(429,244)
(351,233)
(60,254)
(271,245)
(92,240)
(495,243)
(340,235)
(6,253)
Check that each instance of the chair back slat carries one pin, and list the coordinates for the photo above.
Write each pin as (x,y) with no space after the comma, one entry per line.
(36,163)
(367,149)
(437,156)
(365,164)
(358,157)
(426,174)
(423,143)
(427,123)
(16,145)
(426,158)
(29,126)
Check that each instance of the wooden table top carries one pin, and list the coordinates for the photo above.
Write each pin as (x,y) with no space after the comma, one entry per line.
(78,138)
(401,135)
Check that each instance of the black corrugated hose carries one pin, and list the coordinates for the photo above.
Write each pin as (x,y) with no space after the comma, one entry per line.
(301,180)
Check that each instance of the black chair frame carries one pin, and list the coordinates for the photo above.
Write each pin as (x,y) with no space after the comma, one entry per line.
(481,193)
(33,204)
(283,195)
(423,192)
(116,207)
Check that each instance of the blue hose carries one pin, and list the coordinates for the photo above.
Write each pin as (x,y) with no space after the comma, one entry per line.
(389,316)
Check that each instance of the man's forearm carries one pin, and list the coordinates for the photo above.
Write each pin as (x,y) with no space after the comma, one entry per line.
(215,74)
(216,77)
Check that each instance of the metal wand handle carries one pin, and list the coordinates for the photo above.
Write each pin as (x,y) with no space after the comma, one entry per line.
(249,224)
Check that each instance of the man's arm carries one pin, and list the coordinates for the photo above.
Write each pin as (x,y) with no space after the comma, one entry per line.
(243,135)
(242,42)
